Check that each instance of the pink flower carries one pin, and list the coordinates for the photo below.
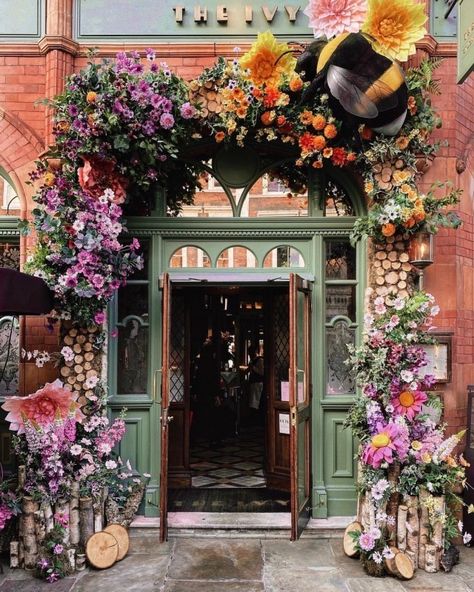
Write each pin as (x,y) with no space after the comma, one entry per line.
(366,541)
(99,317)
(333,17)
(43,407)
(409,403)
(98,174)
(390,439)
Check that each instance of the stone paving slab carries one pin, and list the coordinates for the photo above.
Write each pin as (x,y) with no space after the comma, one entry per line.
(218,559)
(240,565)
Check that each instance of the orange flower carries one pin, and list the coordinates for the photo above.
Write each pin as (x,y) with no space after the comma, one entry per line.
(268,117)
(319,142)
(399,177)
(319,122)
(419,215)
(412,105)
(306,117)
(281,120)
(330,131)
(241,112)
(410,222)
(49,179)
(339,157)
(351,156)
(388,229)
(272,95)
(257,93)
(268,61)
(327,152)
(63,126)
(219,136)
(402,142)
(306,142)
(91,96)
(244,102)
(318,164)
(366,133)
(296,83)
(237,93)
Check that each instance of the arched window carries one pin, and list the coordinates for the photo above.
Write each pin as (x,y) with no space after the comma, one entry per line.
(236,257)
(337,201)
(190,256)
(283,256)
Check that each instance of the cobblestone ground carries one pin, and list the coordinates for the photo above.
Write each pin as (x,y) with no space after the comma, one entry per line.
(241,565)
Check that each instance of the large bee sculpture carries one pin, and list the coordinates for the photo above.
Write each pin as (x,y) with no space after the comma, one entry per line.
(363,85)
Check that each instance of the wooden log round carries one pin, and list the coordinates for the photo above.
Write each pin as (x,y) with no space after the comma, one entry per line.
(73,332)
(348,542)
(390,562)
(123,540)
(386,264)
(403,566)
(102,550)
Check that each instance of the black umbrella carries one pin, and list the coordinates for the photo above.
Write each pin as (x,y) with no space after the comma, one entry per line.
(23,294)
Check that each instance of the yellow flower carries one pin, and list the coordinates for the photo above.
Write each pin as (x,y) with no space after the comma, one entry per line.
(231,125)
(426,457)
(402,142)
(400,177)
(416,445)
(91,96)
(368,186)
(49,179)
(266,61)
(396,25)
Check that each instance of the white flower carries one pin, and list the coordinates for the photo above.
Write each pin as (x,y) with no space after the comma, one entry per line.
(435,310)
(389,408)
(67,353)
(398,303)
(91,382)
(86,441)
(76,449)
(376,532)
(460,526)
(78,225)
(406,375)
(110,464)
(105,448)
(388,553)
(429,486)
(391,521)
(377,557)
(147,475)
(128,465)
(466,539)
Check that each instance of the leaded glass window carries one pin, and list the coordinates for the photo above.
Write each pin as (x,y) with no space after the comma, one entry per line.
(9,332)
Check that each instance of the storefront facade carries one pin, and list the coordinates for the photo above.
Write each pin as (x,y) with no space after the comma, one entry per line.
(236,247)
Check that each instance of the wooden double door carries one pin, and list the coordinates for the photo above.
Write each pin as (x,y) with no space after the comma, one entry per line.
(276,319)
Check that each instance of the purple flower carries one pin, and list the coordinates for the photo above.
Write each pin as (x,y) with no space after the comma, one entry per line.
(150,54)
(366,541)
(134,245)
(167,121)
(58,549)
(52,577)
(43,563)
(187,111)
(99,317)
(73,110)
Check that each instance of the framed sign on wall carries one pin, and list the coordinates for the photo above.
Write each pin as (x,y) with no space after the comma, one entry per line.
(439,357)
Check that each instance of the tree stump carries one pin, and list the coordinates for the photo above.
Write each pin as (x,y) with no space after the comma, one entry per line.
(121,535)
(348,542)
(102,550)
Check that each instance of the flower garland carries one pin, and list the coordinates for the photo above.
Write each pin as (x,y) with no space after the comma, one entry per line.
(396,418)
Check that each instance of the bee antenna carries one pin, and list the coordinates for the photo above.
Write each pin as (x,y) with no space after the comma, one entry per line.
(286,53)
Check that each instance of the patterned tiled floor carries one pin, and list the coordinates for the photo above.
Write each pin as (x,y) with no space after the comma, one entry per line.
(238,463)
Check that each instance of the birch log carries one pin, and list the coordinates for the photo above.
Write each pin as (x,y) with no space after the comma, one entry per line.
(437,537)
(14,554)
(402,527)
(86,520)
(29,535)
(393,501)
(364,512)
(40,526)
(430,558)
(424,529)
(80,562)
(21,476)
(412,528)
(74,514)
(71,555)
(48,517)
(62,507)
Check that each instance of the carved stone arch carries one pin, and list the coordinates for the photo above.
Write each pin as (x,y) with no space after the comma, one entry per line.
(19,146)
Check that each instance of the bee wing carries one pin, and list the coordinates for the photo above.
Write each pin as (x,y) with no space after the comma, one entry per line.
(392,128)
(343,84)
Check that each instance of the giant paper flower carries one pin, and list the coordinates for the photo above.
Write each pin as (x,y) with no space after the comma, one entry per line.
(268,60)
(409,403)
(396,25)
(390,439)
(49,403)
(333,17)
(98,174)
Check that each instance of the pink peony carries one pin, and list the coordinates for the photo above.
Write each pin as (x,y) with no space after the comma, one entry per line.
(43,407)
(389,439)
(409,403)
(333,17)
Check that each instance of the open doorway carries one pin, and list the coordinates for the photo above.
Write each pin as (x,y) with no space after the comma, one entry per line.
(220,448)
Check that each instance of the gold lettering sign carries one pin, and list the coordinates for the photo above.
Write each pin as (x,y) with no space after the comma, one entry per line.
(222,16)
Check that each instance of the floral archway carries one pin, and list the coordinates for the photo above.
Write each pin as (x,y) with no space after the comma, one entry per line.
(121,127)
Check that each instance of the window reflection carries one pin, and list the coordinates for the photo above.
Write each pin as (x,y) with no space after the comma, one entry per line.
(236,257)
(336,201)
(190,256)
(284,256)
(270,197)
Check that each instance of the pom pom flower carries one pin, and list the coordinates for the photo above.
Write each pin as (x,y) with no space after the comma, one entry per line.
(268,61)
(329,18)
(388,440)
(396,25)
(51,402)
